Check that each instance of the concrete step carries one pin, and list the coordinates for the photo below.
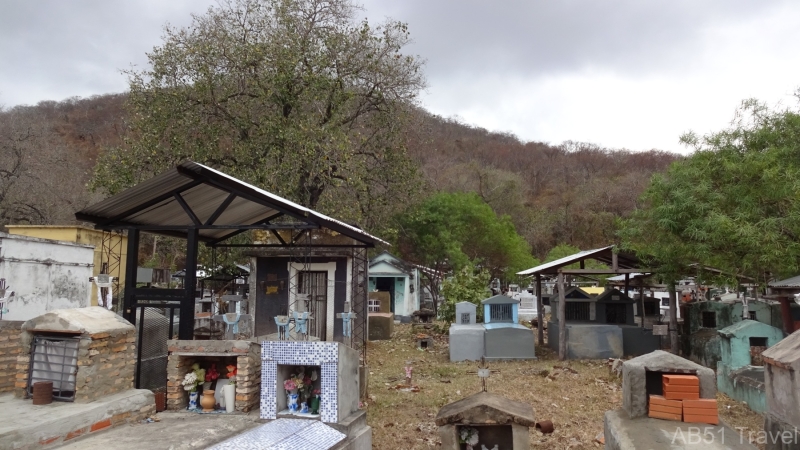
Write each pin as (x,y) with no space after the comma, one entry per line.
(28,426)
(352,424)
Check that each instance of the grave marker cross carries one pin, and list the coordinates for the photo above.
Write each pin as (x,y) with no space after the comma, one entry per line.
(483,372)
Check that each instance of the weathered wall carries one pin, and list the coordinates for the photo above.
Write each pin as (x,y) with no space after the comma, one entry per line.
(80,235)
(45,275)
(639,341)
(10,350)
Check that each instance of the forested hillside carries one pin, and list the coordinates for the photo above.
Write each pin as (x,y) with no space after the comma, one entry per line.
(569,193)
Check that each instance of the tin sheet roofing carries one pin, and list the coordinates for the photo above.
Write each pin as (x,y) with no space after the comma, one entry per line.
(155,202)
(603,254)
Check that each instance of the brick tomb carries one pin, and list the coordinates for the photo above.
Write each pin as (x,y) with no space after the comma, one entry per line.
(243,354)
(88,353)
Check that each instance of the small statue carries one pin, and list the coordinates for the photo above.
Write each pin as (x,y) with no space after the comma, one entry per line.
(283,323)
(300,322)
(409,369)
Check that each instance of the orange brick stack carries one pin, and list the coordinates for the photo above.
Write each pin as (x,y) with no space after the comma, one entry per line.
(661,408)
(681,387)
(701,411)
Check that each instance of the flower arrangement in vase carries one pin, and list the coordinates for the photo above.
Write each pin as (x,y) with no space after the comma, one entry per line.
(191,381)
(469,436)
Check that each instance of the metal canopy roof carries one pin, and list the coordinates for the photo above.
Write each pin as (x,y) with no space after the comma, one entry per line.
(219,206)
(604,255)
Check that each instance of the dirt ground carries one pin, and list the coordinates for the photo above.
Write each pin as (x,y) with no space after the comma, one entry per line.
(572,394)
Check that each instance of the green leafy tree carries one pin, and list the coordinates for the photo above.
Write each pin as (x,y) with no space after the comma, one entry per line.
(469,284)
(733,204)
(450,231)
(295,96)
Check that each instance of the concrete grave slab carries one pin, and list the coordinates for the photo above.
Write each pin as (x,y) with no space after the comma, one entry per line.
(623,433)
(466,342)
(381,326)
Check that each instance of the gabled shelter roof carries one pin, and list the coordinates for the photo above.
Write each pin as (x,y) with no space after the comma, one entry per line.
(785,353)
(793,282)
(608,296)
(192,195)
(604,255)
(486,408)
(739,327)
(499,300)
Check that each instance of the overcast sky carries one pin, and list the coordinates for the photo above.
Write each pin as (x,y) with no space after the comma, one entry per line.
(622,74)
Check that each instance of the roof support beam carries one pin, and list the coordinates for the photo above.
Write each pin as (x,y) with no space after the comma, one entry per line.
(600,271)
(236,188)
(275,233)
(187,209)
(152,202)
(220,209)
(238,232)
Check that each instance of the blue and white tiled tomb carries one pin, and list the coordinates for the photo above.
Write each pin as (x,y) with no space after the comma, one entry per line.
(336,364)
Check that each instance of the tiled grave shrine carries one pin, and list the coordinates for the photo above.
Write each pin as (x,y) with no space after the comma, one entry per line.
(289,434)
(338,376)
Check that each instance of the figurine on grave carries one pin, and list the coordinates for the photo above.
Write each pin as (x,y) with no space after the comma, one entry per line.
(347,317)
(409,369)
(232,321)
(300,322)
(283,323)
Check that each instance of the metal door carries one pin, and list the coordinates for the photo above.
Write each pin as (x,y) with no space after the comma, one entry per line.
(315,285)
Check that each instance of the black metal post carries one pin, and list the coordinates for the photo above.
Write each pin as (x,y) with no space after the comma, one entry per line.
(186,326)
(539,309)
(132,262)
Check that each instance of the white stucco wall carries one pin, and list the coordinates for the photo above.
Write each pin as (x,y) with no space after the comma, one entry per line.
(45,275)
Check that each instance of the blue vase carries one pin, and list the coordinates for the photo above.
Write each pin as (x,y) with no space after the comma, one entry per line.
(292,402)
(193,400)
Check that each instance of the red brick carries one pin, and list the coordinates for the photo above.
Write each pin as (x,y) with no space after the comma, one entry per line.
(50,440)
(100,425)
(686,380)
(74,434)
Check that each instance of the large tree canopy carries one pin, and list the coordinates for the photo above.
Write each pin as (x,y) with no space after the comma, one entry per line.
(292,95)
(452,230)
(733,204)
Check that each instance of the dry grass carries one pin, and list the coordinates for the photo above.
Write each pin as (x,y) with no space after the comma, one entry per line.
(575,402)
(737,415)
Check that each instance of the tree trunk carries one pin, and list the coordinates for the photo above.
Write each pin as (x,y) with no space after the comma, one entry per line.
(562,323)
(673,317)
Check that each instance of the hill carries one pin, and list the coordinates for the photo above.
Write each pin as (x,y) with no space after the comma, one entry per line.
(568,193)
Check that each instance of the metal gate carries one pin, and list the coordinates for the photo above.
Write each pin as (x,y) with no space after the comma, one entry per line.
(54,358)
(315,285)
(154,313)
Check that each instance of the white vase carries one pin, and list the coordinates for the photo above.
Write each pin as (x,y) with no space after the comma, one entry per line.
(229,391)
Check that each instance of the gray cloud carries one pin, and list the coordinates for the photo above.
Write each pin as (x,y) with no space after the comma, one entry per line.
(545,70)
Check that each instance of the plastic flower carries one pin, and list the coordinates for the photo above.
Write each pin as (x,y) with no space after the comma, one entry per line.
(289,384)
(231,370)
(190,382)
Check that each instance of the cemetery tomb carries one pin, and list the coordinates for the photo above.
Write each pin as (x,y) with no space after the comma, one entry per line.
(466,337)
(489,420)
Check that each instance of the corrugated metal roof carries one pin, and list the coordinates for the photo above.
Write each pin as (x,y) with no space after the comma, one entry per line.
(565,261)
(793,282)
(785,352)
(203,189)
(622,277)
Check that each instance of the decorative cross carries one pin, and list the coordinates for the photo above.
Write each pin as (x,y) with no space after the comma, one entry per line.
(103,282)
(300,325)
(5,296)
(484,372)
(347,317)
